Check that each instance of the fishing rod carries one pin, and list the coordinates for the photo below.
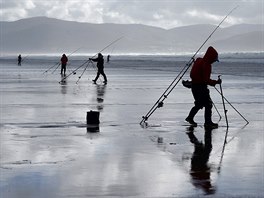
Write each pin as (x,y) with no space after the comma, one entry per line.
(56,68)
(223,101)
(58,63)
(74,71)
(165,94)
(24,58)
(232,106)
(79,78)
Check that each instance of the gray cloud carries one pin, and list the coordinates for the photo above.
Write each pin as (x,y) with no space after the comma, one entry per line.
(161,13)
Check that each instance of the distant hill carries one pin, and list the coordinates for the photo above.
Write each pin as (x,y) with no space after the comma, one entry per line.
(47,35)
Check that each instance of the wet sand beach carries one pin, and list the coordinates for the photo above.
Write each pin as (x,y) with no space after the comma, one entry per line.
(47,150)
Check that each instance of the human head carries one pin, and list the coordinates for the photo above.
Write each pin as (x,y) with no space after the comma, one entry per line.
(211,55)
(100,55)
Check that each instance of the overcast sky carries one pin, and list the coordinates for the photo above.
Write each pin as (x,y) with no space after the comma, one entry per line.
(161,13)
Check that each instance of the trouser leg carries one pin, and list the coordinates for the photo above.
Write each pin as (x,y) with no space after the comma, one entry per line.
(193,112)
(97,76)
(103,74)
(208,112)
(197,95)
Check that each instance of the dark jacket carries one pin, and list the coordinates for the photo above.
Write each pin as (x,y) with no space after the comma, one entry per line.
(201,69)
(100,62)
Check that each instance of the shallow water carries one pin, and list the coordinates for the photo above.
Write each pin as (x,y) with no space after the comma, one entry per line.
(47,150)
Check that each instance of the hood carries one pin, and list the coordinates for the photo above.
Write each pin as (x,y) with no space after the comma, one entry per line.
(211,55)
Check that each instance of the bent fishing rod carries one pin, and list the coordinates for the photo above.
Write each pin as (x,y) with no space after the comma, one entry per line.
(58,63)
(174,83)
(88,61)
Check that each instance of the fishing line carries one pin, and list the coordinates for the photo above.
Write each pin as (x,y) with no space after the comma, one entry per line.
(232,106)
(165,94)
(220,117)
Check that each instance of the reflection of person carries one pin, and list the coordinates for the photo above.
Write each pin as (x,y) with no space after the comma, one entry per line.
(63,85)
(200,75)
(100,92)
(19,59)
(64,61)
(200,170)
(100,67)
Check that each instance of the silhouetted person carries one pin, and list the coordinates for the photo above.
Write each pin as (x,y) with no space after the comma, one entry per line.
(100,67)
(200,75)
(64,61)
(108,58)
(200,171)
(19,60)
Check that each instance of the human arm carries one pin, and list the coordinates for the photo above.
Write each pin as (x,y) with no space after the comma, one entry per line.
(207,76)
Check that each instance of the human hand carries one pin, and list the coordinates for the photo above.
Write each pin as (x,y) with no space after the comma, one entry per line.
(219,81)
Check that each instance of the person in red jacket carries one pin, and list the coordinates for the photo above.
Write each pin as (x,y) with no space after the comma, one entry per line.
(64,61)
(200,75)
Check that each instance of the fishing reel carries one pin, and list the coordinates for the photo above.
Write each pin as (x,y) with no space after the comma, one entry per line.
(160,104)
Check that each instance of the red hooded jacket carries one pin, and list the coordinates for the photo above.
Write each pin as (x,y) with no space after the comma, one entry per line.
(201,69)
(64,59)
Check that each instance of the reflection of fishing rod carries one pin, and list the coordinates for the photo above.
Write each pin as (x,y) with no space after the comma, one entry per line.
(58,63)
(222,153)
(223,148)
(165,94)
(74,71)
